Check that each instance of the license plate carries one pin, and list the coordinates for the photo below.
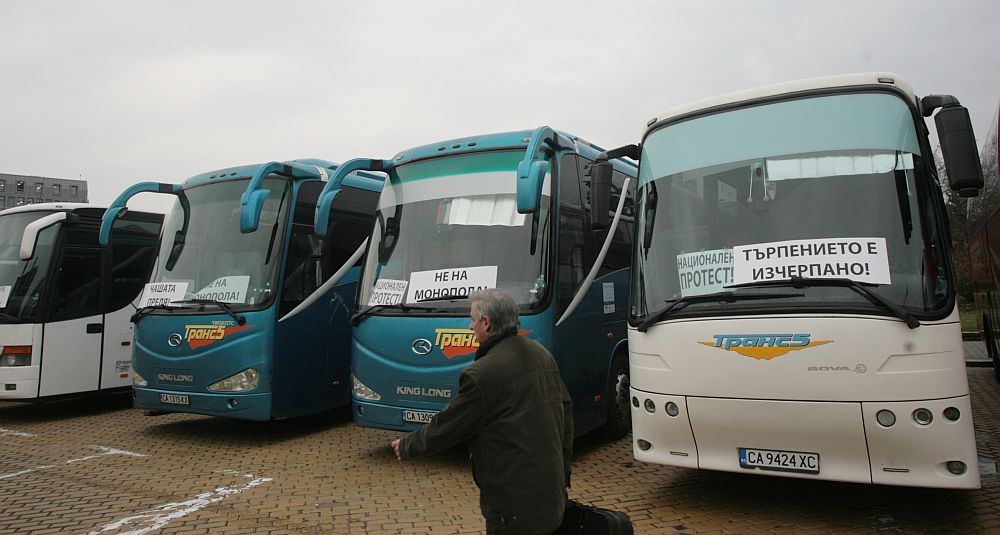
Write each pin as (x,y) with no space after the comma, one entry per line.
(784,461)
(420,417)
(175,399)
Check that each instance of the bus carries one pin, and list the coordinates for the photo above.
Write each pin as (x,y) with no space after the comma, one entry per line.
(792,310)
(65,301)
(246,314)
(983,217)
(507,210)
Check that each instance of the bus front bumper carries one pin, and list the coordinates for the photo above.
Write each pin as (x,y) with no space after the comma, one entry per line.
(227,405)
(844,439)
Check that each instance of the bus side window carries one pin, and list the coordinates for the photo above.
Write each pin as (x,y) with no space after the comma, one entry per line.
(576,252)
(133,251)
(76,292)
(619,254)
(312,259)
(351,219)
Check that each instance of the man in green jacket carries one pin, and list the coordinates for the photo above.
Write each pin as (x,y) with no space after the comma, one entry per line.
(513,410)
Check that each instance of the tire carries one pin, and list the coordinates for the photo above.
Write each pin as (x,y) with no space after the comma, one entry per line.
(619,413)
(991,347)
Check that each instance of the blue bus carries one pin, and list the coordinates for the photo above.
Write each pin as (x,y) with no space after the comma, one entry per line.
(247,312)
(507,210)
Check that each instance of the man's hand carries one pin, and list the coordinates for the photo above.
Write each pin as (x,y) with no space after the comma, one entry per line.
(395,448)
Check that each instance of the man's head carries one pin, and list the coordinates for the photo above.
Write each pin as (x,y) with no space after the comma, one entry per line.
(493,312)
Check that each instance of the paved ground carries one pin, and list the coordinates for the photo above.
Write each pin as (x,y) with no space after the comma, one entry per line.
(99,466)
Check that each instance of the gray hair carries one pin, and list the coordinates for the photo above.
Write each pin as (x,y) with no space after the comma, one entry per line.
(499,307)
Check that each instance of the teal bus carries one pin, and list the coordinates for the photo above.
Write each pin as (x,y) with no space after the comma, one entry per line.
(507,210)
(247,312)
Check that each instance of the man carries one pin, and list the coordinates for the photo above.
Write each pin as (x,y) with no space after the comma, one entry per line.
(515,413)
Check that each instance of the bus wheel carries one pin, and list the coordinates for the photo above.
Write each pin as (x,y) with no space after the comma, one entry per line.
(619,412)
(991,348)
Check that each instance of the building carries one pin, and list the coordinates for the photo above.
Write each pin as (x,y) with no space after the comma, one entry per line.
(19,190)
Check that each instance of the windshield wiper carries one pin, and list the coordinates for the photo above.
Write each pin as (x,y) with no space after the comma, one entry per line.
(719,297)
(240,319)
(444,298)
(140,312)
(862,288)
(356,319)
(8,317)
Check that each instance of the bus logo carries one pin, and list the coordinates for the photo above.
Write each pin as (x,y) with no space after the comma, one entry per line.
(421,346)
(764,346)
(203,335)
(174,340)
(458,342)
(455,342)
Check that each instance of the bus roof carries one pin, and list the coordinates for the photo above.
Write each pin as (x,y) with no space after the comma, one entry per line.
(518,139)
(362,180)
(865,79)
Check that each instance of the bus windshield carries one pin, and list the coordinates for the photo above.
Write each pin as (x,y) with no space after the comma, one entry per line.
(210,256)
(448,226)
(22,282)
(832,186)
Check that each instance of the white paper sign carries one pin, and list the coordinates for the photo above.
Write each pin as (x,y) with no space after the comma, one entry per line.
(387,292)
(858,259)
(231,289)
(162,293)
(453,282)
(4,295)
(705,272)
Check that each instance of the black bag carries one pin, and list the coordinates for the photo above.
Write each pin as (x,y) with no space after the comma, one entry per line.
(579,519)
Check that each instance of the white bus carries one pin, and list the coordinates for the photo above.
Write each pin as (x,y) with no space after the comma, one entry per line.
(65,302)
(792,307)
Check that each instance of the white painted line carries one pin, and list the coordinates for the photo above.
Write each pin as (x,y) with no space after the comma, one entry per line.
(158,518)
(105,450)
(22,472)
(12,433)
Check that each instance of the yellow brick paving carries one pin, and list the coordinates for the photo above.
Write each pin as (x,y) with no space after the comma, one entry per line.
(328,476)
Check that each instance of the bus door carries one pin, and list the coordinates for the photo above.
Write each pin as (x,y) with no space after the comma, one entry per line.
(131,257)
(73,335)
(312,349)
(586,339)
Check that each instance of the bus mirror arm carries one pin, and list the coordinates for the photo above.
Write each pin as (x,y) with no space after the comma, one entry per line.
(253,198)
(531,171)
(118,208)
(30,236)
(324,203)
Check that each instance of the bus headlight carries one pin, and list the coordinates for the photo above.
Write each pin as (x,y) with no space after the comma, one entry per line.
(137,379)
(15,356)
(241,382)
(363,392)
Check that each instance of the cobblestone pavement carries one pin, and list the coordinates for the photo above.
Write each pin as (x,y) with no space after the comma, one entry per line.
(99,466)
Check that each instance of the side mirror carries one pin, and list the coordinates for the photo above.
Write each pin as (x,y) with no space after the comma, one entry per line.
(324,205)
(30,236)
(600,195)
(530,175)
(388,243)
(250,208)
(958,148)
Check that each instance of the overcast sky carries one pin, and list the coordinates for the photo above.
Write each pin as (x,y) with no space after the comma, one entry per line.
(119,92)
